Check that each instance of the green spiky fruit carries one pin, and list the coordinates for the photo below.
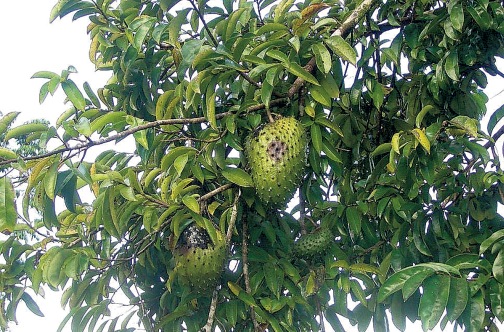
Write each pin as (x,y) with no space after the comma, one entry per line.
(316,243)
(277,158)
(199,261)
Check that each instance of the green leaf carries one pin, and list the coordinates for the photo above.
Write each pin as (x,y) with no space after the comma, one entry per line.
(241,294)
(55,11)
(180,163)
(381,149)
(411,285)
(210,96)
(274,277)
(396,282)
(495,118)
(498,267)
(395,142)
(238,176)
(330,151)
(8,214)
(419,118)
(320,95)
(457,301)
(322,57)
(300,72)
(491,240)
(475,312)
(50,179)
(436,290)
(6,121)
(457,16)
(7,154)
(451,65)
(342,48)
(74,94)
(84,127)
(354,219)
(92,96)
(31,304)
(175,25)
(192,203)
(316,137)
(25,129)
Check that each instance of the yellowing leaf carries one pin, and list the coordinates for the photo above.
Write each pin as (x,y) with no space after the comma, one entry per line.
(8,214)
(395,143)
(421,138)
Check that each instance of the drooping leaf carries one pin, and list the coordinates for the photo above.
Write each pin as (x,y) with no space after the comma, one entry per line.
(8,214)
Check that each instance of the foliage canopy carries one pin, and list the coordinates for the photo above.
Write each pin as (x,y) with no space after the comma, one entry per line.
(396,210)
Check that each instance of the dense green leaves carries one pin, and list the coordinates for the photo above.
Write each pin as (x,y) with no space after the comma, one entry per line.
(400,173)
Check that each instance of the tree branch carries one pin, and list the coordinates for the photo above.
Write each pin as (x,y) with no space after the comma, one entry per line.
(213,305)
(215,192)
(120,135)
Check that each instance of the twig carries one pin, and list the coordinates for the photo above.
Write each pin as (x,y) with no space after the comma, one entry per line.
(120,135)
(215,192)
(209,32)
(302,211)
(232,219)
(248,289)
(213,305)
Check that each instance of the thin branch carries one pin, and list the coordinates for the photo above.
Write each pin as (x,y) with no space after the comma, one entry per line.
(215,192)
(209,32)
(302,211)
(232,219)
(120,135)
(213,305)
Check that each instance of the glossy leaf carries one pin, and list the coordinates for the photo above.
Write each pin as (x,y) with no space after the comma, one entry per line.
(436,290)
(238,176)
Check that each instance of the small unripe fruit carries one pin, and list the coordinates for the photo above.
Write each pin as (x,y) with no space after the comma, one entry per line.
(316,243)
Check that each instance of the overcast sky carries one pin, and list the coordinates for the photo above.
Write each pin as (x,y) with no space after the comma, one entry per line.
(30,44)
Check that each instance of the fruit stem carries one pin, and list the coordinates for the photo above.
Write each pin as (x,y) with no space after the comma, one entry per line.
(270,117)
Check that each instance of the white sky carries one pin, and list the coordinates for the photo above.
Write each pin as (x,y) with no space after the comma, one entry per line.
(30,44)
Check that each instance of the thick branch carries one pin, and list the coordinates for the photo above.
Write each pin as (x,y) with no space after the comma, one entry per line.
(352,20)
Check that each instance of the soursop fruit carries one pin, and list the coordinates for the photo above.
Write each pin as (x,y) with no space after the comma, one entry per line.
(277,158)
(199,262)
(313,244)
